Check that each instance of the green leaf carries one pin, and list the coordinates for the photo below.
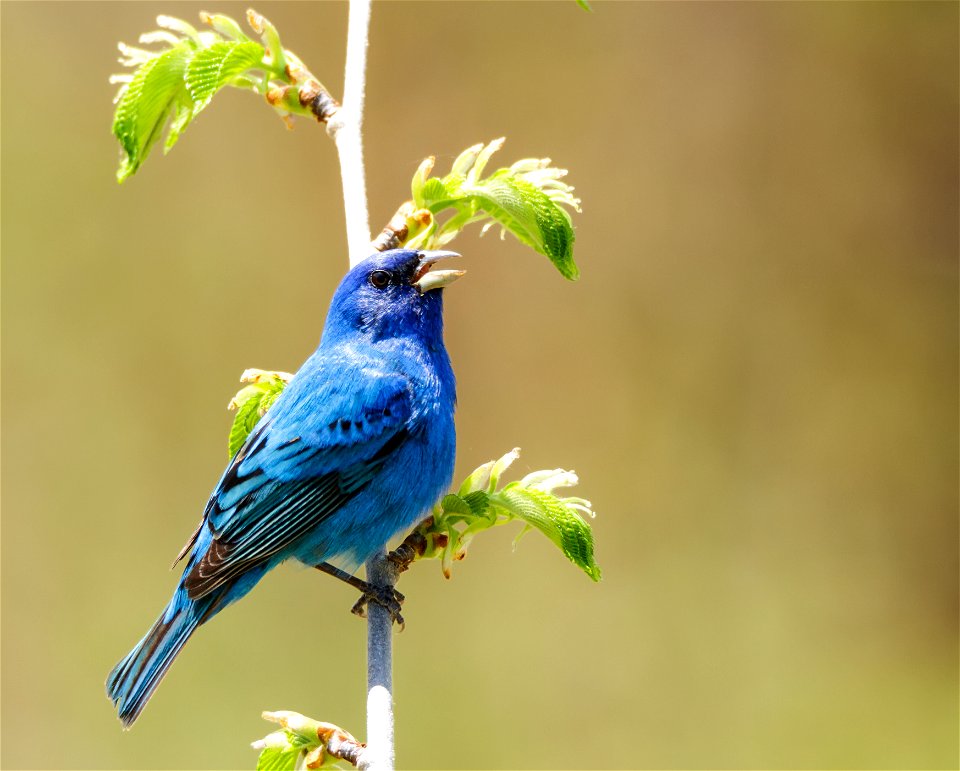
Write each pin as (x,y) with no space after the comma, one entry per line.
(419,179)
(277,759)
(156,93)
(248,415)
(585,5)
(224,25)
(555,519)
(439,194)
(465,161)
(281,750)
(252,402)
(528,213)
(479,505)
(217,66)
(182,116)
(478,501)
(454,504)
(526,199)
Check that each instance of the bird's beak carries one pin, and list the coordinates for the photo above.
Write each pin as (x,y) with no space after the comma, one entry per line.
(425,279)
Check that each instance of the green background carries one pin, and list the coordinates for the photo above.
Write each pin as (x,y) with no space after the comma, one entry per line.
(756,379)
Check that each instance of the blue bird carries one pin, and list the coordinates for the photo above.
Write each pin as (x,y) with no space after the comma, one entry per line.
(356,449)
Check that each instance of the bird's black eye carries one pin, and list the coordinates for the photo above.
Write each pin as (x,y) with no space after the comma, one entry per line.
(380,278)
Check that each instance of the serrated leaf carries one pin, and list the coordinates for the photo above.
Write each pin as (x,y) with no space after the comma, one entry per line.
(277,759)
(454,504)
(183,113)
(559,522)
(268,399)
(247,417)
(155,93)
(478,501)
(251,403)
(526,199)
(216,66)
(437,194)
(531,216)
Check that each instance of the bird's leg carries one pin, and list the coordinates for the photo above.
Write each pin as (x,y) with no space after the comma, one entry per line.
(388,597)
(413,547)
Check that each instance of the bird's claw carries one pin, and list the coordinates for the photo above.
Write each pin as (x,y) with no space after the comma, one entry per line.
(386,597)
(402,557)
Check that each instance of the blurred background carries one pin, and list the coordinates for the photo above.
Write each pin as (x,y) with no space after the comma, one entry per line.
(756,379)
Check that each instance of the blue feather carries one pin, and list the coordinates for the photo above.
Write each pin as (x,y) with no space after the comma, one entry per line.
(355,450)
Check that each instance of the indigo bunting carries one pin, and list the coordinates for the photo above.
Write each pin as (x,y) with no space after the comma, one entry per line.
(356,449)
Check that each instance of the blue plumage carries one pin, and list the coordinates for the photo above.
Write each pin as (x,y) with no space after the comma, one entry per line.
(356,449)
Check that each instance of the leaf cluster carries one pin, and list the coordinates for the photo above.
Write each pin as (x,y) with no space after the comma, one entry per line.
(252,402)
(481,503)
(171,86)
(525,199)
(302,742)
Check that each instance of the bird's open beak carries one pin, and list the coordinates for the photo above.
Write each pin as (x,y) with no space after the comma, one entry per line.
(425,279)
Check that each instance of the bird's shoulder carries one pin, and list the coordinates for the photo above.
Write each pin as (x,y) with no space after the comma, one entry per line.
(332,426)
(341,398)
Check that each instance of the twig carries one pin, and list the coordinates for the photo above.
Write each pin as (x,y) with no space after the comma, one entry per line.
(403,225)
(331,740)
(379,753)
(345,129)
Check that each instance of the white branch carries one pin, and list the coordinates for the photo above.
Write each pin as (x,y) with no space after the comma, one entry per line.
(379,753)
(345,128)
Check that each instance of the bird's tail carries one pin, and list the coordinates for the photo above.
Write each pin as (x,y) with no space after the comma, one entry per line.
(136,677)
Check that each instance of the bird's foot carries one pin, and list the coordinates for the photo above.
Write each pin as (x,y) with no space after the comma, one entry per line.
(385,596)
(404,555)
(415,545)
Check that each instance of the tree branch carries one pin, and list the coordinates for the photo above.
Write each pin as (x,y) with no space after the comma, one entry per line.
(345,129)
(379,752)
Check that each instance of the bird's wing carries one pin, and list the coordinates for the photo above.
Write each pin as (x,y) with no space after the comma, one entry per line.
(320,444)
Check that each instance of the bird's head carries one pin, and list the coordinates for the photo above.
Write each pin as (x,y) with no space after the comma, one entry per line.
(390,294)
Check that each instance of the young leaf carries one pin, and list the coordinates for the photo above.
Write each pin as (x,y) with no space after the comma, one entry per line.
(304,742)
(555,519)
(216,66)
(439,194)
(529,214)
(526,199)
(478,501)
(277,759)
(252,402)
(281,750)
(176,84)
(454,504)
(156,93)
(478,505)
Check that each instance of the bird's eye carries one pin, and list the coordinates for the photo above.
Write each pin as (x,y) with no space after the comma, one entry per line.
(380,278)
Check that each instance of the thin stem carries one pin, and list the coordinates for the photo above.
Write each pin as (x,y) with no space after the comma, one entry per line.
(345,128)
(379,753)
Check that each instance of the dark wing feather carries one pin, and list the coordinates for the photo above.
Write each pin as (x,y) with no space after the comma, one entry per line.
(296,469)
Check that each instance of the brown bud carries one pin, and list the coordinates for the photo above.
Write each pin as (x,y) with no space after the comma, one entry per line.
(308,91)
(277,95)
